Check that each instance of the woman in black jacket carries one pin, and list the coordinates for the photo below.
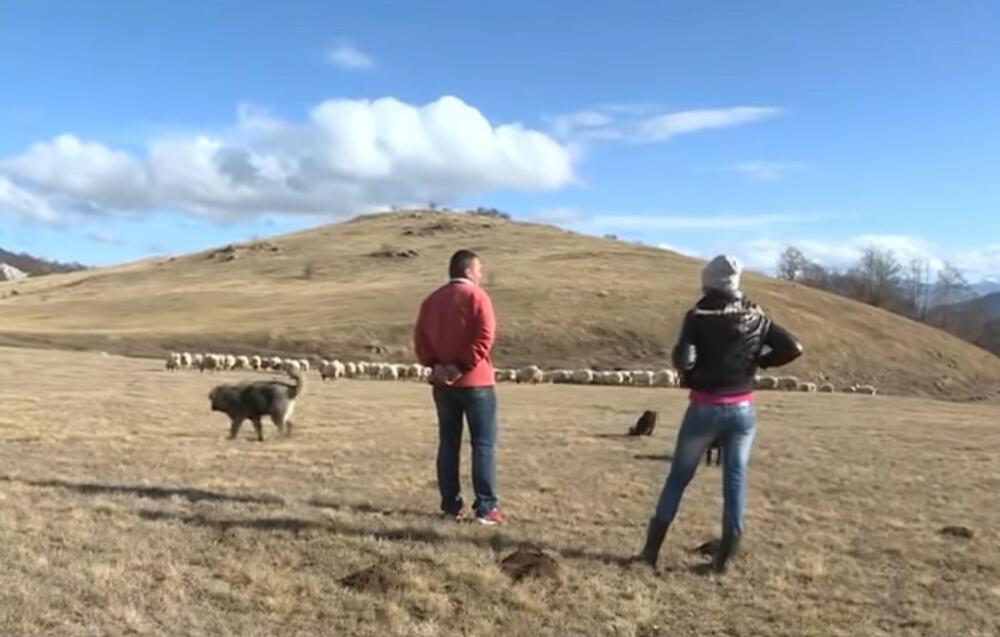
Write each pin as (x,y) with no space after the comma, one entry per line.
(725,338)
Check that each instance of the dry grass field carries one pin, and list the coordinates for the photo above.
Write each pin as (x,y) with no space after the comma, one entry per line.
(126,511)
(562,300)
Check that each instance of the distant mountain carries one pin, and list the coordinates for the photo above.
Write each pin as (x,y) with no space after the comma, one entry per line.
(34,266)
(976,320)
(987,307)
(985,287)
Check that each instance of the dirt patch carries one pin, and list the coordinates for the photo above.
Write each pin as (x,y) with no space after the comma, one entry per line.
(432,229)
(525,563)
(960,532)
(709,548)
(377,579)
(390,252)
(232,251)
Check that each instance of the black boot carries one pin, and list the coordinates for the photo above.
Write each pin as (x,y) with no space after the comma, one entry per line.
(654,540)
(729,546)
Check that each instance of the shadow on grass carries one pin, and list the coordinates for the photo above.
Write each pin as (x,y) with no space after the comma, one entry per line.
(662,457)
(153,492)
(496,540)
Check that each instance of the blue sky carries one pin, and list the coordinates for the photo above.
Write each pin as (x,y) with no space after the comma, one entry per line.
(129,129)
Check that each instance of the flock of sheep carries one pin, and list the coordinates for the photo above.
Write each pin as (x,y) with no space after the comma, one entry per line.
(531,374)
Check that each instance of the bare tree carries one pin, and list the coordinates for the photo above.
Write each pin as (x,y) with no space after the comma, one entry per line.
(951,286)
(816,276)
(792,264)
(879,274)
(916,286)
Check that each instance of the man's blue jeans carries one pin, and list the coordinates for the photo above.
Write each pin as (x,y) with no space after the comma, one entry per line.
(479,406)
(733,426)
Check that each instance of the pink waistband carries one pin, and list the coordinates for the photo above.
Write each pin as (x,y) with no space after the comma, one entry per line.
(705,398)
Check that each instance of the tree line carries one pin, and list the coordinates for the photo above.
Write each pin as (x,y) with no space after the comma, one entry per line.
(907,288)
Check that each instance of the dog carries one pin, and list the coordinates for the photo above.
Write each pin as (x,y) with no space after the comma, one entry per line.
(645,425)
(718,454)
(256,399)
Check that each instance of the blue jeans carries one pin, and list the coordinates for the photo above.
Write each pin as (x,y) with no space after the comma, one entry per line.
(733,427)
(479,406)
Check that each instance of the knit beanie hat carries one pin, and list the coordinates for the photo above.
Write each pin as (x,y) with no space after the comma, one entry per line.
(723,274)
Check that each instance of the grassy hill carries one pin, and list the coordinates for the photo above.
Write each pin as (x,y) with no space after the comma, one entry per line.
(351,290)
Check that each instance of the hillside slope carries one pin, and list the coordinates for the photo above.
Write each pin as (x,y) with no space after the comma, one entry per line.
(352,290)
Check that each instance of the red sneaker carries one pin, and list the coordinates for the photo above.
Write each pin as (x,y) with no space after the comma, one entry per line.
(490,519)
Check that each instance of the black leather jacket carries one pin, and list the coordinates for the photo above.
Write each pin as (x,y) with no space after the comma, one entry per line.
(724,340)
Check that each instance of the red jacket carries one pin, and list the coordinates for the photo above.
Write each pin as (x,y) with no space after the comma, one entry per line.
(456,326)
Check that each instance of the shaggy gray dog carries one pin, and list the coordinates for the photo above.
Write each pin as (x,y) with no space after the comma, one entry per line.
(256,399)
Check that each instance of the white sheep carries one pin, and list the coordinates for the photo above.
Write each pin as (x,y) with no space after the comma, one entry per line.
(173,361)
(388,372)
(788,383)
(242,363)
(665,378)
(504,375)
(867,390)
(339,369)
(583,376)
(277,363)
(531,374)
(643,378)
(256,362)
(765,382)
(415,371)
(827,388)
(293,366)
(807,387)
(363,369)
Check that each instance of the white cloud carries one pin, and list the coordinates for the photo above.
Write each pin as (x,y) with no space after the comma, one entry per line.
(82,172)
(347,157)
(568,124)
(22,204)
(763,171)
(106,238)
(347,56)
(641,125)
(664,127)
(980,265)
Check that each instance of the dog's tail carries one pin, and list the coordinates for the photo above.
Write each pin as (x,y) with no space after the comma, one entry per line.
(300,383)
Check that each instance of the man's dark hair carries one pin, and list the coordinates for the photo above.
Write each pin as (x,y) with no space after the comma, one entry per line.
(460,262)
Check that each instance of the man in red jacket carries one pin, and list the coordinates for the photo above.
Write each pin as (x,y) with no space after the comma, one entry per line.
(454,335)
